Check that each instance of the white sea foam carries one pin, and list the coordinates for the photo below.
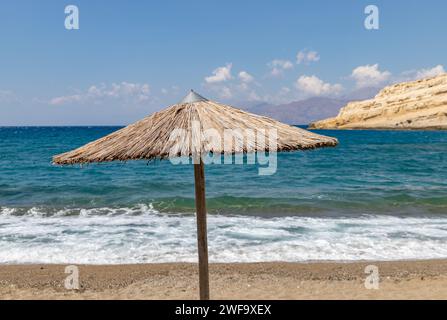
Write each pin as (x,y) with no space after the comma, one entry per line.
(141,234)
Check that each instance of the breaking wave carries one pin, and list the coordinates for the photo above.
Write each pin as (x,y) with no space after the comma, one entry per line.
(141,234)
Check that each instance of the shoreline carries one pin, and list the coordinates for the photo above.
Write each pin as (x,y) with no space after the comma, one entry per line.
(414,279)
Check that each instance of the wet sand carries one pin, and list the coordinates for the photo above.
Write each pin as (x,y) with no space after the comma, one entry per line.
(425,279)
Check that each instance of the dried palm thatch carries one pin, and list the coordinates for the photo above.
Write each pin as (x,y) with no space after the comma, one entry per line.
(190,128)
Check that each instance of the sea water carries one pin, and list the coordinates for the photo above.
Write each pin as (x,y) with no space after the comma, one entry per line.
(379,195)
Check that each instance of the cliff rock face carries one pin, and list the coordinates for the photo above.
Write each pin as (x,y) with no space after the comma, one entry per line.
(420,104)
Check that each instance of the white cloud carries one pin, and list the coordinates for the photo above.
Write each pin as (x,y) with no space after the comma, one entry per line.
(245,77)
(284,91)
(305,56)
(253,96)
(369,76)
(418,74)
(220,74)
(8,96)
(134,91)
(312,85)
(5,93)
(66,99)
(226,87)
(278,66)
(246,82)
(283,64)
(225,93)
(429,73)
(174,90)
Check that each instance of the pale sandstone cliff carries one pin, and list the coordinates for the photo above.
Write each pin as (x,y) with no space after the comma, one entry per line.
(420,104)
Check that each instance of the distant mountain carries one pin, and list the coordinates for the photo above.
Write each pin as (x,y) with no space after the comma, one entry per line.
(300,112)
(252,106)
(308,110)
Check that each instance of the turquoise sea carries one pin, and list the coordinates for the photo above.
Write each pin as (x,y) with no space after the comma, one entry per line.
(378,195)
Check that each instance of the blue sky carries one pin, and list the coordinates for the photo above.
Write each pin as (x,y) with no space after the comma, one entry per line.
(130,58)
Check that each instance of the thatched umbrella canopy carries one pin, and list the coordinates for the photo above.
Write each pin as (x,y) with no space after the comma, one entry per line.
(152,138)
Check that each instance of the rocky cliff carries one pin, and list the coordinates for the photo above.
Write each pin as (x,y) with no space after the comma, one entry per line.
(420,104)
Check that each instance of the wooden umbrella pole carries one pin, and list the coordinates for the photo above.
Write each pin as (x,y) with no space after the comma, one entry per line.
(202,243)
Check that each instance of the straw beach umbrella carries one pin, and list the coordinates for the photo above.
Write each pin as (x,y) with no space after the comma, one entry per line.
(152,138)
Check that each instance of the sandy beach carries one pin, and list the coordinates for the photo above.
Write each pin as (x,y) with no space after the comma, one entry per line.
(398,280)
